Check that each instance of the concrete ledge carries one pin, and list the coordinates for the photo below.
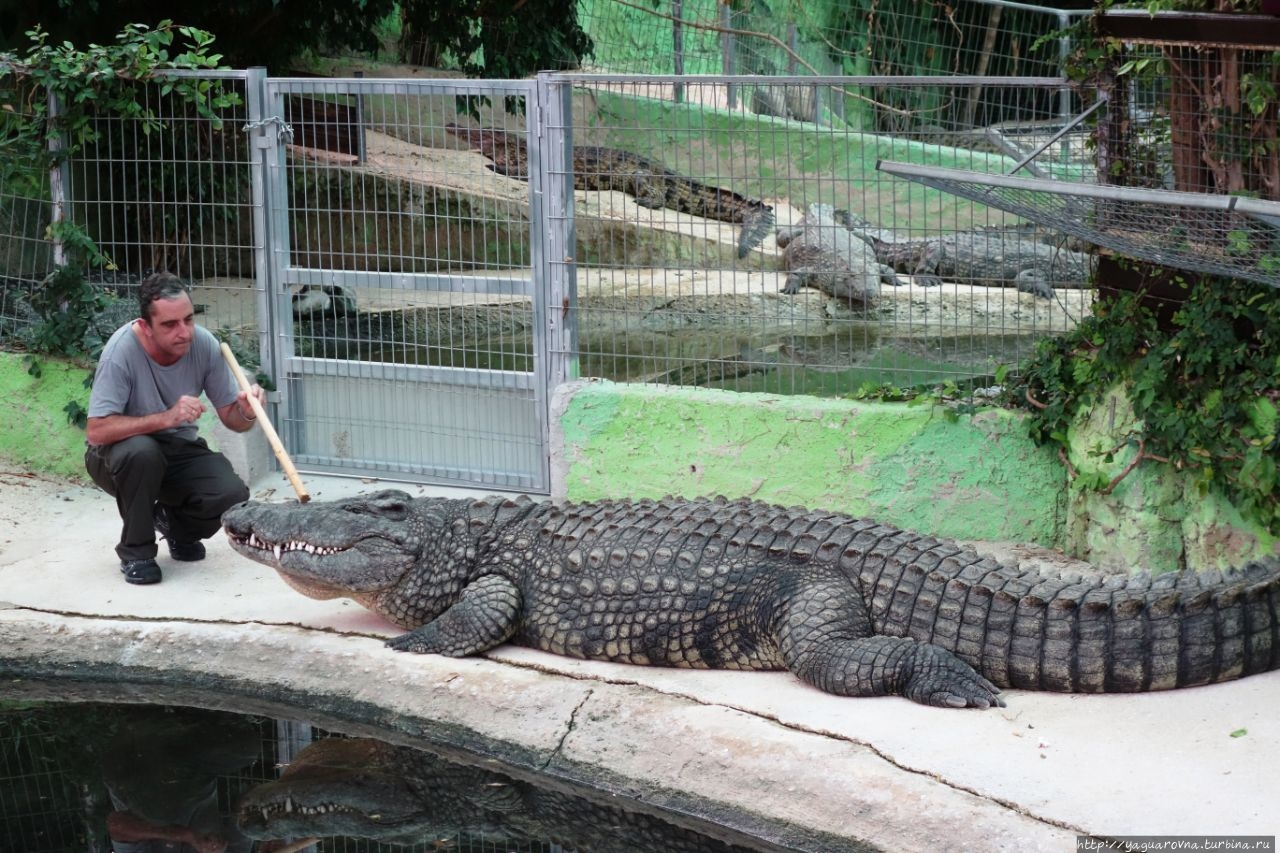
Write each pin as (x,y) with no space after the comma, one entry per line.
(248,452)
(665,753)
(759,752)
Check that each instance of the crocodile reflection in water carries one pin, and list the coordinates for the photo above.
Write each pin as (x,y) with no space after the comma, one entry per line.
(362,788)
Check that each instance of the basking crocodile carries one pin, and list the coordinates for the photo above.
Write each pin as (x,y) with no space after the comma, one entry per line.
(993,257)
(850,606)
(652,184)
(362,788)
(821,253)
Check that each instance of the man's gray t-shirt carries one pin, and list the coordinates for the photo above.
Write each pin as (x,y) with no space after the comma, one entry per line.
(128,382)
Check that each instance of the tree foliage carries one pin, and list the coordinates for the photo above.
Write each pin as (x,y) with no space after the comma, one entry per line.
(88,85)
(493,38)
(499,38)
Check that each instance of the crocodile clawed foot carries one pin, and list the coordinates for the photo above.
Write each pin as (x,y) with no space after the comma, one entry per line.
(942,680)
(410,642)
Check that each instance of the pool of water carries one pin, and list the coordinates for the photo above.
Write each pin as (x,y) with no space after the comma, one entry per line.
(103,777)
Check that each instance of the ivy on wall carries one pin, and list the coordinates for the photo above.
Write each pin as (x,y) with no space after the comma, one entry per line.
(1206,387)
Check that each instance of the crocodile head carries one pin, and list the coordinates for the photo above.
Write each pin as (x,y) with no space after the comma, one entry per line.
(357,547)
(362,788)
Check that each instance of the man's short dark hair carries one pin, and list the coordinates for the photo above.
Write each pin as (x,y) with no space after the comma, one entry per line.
(161,285)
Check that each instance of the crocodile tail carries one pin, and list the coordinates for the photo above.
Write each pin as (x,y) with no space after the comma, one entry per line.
(1091,634)
(757,222)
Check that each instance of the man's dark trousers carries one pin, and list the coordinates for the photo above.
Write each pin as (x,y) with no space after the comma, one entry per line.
(195,485)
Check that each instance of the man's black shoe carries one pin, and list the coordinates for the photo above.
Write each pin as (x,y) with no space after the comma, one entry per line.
(186,552)
(140,571)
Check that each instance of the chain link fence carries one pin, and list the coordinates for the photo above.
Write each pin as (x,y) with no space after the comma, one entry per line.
(423,231)
(865,37)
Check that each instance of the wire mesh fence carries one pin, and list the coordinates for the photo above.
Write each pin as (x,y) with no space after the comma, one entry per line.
(870,37)
(432,235)
(166,190)
(1187,157)
(771,255)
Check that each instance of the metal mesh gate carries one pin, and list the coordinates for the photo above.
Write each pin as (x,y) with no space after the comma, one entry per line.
(407,294)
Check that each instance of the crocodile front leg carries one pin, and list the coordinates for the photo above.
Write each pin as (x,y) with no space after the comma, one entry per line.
(827,640)
(485,615)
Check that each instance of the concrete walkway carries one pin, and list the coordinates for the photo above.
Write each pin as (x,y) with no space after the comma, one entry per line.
(757,751)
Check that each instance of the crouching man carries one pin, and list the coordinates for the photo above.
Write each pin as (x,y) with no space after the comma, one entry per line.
(143,445)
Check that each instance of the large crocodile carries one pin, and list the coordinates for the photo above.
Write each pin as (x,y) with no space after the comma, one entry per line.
(820,252)
(992,257)
(361,788)
(849,605)
(650,183)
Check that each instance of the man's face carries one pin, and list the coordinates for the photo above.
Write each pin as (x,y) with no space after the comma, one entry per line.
(171,328)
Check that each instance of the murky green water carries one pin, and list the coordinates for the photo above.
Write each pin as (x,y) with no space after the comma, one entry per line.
(92,777)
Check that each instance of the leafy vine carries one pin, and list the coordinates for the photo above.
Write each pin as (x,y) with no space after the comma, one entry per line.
(1206,387)
(51,101)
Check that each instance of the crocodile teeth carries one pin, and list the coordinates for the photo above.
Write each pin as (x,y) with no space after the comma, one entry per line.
(279,548)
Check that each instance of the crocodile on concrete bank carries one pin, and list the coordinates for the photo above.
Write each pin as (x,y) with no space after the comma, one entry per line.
(996,257)
(848,605)
(362,788)
(650,183)
(821,253)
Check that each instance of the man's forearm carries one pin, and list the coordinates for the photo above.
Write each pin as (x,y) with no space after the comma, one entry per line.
(234,418)
(112,428)
(127,827)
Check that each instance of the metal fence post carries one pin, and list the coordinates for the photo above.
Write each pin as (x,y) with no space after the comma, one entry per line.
(359,128)
(555,274)
(59,181)
(677,46)
(268,191)
(726,50)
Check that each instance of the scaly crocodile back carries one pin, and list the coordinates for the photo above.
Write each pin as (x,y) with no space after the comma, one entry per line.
(1099,633)
(649,182)
(1077,633)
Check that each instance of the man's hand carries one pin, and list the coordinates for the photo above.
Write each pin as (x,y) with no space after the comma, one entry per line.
(186,411)
(238,415)
(242,399)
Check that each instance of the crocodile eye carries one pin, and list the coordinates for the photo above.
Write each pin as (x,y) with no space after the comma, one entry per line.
(394,510)
(391,504)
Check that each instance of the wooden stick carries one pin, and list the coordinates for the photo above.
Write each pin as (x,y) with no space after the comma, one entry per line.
(273,438)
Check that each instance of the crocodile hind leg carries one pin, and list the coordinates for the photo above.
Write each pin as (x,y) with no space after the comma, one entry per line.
(827,640)
(484,616)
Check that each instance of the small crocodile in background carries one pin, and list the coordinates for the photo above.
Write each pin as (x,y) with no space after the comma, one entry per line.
(822,253)
(850,606)
(362,788)
(650,183)
(993,257)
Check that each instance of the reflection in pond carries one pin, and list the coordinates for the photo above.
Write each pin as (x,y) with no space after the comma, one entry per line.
(139,779)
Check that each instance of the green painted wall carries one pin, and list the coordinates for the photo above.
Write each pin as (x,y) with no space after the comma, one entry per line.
(34,433)
(973,477)
(1155,517)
